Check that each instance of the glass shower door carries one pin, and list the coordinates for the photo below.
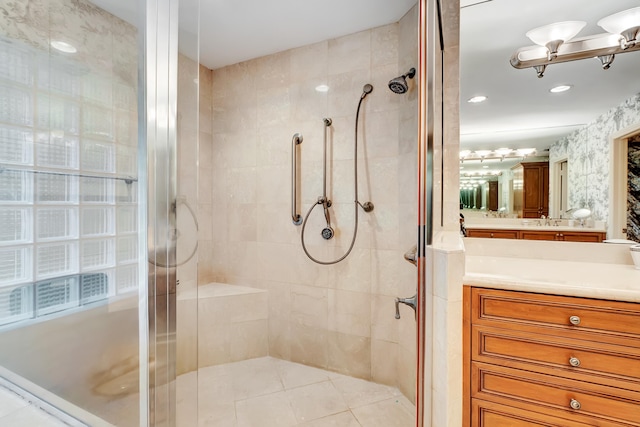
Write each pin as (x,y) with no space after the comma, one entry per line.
(72,258)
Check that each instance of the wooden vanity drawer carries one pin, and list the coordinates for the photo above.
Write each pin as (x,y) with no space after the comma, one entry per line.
(579,401)
(492,234)
(502,308)
(489,414)
(601,363)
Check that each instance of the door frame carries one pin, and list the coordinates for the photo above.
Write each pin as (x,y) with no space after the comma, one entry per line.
(618,180)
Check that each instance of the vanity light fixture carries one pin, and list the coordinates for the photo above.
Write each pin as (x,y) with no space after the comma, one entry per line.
(496,155)
(64,47)
(524,152)
(623,31)
(553,35)
(477,99)
(322,88)
(560,88)
(626,24)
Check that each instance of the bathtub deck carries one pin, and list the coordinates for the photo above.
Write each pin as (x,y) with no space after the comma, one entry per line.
(268,392)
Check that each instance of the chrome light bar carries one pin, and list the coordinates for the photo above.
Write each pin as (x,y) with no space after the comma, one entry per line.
(602,46)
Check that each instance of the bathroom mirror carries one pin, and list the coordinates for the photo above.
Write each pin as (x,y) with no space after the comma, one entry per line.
(573,130)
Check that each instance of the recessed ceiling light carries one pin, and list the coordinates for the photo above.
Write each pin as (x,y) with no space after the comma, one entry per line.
(63,46)
(477,99)
(561,88)
(485,167)
(322,88)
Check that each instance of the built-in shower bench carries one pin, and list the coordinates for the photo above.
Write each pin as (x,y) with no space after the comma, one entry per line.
(232,324)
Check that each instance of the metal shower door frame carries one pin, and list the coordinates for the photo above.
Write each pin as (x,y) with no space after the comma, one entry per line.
(430,106)
(157,147)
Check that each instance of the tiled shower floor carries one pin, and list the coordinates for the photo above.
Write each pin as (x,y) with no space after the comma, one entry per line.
(264,392)
(268,392)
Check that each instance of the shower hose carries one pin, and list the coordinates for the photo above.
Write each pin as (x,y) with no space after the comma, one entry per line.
(367,207)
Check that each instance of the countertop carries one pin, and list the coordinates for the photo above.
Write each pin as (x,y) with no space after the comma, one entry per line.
(561,268)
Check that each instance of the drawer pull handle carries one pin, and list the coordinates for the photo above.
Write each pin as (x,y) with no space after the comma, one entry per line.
(574,361)
(575,404)
(575,320)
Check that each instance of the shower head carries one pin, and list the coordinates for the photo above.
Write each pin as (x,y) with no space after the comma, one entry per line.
(366,90)
(399,84)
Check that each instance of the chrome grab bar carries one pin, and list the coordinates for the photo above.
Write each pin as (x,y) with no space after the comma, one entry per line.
(295,216)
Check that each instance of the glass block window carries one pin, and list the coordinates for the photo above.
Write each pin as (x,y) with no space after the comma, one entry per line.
(56,223)
(57,150)
(16,303)
(16,187)
(94,287)
(16,145)
(98,221)
(16,105)
(56,295)
(15,265)
(16,225)
(68,193)
(127,278)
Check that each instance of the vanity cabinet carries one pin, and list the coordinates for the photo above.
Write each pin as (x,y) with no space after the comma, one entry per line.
(531,189)
(533,359)
(564,236)
(493,234)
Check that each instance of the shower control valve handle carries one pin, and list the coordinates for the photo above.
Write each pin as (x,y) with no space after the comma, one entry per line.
(324,201)
(366,206)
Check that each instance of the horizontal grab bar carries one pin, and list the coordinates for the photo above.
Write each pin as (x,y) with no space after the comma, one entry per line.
(126,179)
(295,216)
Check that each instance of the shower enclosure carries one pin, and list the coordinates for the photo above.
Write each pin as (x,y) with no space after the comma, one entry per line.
(150,273)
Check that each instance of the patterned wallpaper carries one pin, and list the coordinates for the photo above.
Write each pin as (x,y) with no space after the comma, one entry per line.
(588,153)
(633,191)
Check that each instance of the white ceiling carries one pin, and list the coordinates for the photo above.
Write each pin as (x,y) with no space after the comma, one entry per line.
(520,111)
(232,31)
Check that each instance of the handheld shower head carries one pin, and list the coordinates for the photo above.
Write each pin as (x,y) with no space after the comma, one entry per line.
(399,84)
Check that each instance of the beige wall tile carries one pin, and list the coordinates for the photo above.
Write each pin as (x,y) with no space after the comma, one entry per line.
(309,62)
(280,338)
(384,361)
(350,53)
(349,355)
(309,306)
(384,325)
(309,345)
(249,339)
(349,312)
(384,45)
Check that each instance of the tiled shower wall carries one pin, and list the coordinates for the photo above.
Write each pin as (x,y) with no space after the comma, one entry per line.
(339,317)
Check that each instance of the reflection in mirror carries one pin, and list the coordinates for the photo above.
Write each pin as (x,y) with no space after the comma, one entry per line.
(577,119)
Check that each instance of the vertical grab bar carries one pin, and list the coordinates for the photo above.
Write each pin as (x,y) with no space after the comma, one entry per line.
(295,216)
